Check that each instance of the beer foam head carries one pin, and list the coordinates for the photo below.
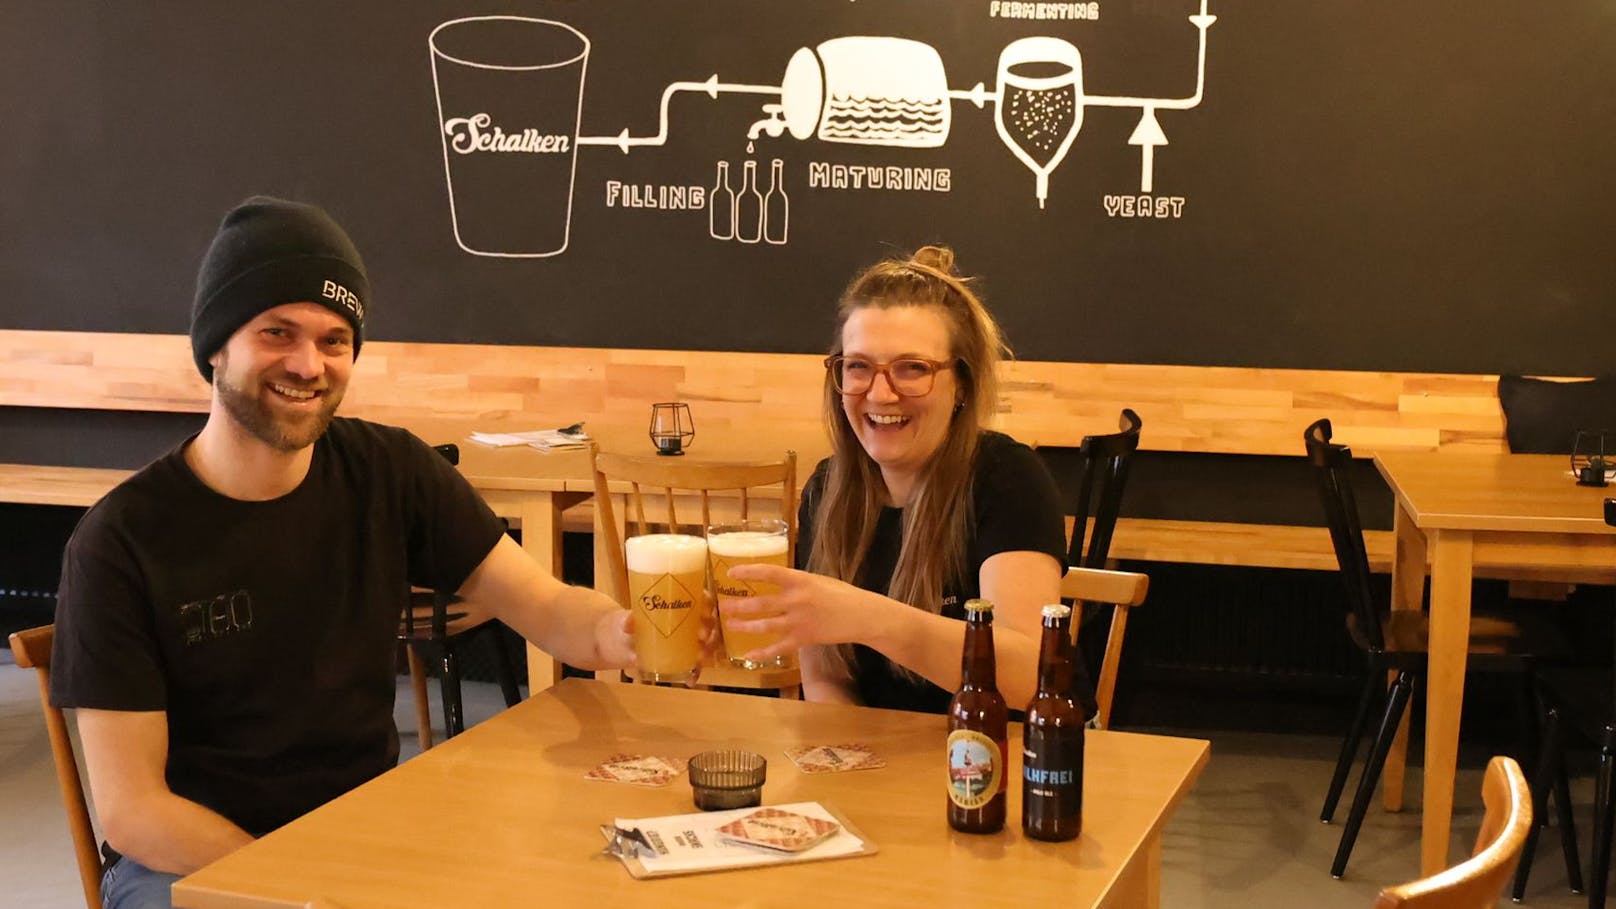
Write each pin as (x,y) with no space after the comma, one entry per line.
(746,544)
(665,553)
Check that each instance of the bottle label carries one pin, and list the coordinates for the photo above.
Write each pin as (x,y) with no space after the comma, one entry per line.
(1052,769)
(975,768)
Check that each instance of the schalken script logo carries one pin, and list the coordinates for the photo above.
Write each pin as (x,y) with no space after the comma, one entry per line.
(477,133)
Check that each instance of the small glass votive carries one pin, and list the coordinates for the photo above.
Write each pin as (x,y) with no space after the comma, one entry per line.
(727,779)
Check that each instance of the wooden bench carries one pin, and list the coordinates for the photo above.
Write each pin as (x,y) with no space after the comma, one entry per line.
(444,389)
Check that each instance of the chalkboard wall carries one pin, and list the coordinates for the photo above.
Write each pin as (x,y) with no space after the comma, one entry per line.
(1361,185)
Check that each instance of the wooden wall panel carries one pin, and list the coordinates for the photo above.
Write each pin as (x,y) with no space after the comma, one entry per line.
(1185,408)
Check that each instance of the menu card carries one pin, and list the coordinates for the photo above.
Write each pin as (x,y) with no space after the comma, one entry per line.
(687,843)
(542,439)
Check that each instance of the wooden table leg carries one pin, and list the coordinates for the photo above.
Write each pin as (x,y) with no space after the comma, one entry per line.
(541,537)
(1408,592)
(1138,884)
(1451,567)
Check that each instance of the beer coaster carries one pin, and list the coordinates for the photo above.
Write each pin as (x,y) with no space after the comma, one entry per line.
(834,758)
(772,828)
(634,769)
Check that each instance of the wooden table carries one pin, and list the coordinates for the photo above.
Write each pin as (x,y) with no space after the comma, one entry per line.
(501,816)
(1458,510)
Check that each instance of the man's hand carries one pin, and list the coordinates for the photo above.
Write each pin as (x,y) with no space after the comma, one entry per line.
(614,639)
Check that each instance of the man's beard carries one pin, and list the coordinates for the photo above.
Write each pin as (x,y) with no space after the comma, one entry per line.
(252,414)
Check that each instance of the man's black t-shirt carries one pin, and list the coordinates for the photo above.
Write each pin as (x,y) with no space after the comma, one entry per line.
(265,630)
(1017,508)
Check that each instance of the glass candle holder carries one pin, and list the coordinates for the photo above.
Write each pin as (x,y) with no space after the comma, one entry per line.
(727,779)
(672,428)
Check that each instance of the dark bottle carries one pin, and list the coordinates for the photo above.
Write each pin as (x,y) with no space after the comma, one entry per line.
(977,732)
(1052,740)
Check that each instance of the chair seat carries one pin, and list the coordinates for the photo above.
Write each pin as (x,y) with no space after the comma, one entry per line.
(1515,633)
(1584,697)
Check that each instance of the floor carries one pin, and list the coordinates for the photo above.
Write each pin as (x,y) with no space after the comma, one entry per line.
(1247,836)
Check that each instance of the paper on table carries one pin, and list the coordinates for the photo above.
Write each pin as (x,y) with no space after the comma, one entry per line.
(542,439)
(1610,474)
(691,842)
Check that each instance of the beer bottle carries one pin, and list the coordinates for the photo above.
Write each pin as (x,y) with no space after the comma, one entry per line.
(977,732)
(1052,740)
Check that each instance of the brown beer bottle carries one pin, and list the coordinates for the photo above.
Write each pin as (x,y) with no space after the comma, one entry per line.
(977,732)
(1052,740)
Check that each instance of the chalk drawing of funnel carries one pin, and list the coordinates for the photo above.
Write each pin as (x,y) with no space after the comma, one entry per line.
(1040,103)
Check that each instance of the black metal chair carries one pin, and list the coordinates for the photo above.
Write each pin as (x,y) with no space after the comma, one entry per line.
(1391,641)
(1102,479)
(1579,700)
(430,623)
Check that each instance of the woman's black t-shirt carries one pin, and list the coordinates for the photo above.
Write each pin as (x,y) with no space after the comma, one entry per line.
(1017,508)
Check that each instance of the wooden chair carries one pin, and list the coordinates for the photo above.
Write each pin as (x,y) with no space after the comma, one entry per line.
(670,479)
(430,623)
(32,648)
(1478,882)
(1393,643)
(1123,590)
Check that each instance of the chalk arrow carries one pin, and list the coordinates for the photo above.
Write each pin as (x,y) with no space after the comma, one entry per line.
(1147,135)
(712,84)
(978,95)
(622,140)
(1203,21)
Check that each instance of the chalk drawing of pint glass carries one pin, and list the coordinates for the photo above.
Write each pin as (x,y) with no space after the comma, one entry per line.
(510,92)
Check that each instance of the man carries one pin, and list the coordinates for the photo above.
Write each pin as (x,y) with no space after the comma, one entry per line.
(227,616)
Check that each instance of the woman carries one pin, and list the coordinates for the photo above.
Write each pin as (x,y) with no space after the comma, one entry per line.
(918,509)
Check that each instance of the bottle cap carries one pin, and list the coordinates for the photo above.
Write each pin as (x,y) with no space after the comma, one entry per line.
(1057,611)
(978,605)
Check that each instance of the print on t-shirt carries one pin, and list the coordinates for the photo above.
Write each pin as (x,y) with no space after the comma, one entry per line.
(215,617)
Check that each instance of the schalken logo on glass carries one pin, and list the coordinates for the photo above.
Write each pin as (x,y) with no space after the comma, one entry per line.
(477,133)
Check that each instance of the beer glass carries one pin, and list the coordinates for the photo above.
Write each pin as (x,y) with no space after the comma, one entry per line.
(746,543)
(667,589)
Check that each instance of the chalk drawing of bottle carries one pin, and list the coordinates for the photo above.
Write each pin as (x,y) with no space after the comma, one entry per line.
(776,207)
(749,207)
(721,206)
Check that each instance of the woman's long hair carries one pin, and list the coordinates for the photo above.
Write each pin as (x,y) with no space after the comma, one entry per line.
(938,516)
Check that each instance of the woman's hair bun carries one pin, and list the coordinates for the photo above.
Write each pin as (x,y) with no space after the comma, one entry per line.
(938,257)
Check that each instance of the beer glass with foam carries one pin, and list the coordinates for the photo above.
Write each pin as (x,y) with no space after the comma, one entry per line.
(746,543)
(667,588)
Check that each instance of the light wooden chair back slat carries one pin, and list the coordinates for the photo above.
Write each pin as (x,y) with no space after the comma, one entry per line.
(32,648)
(1479,881)
(669,477)
(1123,590)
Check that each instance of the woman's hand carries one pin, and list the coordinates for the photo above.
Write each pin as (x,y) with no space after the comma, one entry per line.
(809,609)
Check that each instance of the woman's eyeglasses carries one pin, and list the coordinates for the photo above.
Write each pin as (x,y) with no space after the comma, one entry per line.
(910,377)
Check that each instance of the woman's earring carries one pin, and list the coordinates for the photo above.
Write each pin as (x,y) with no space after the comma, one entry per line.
(959,406)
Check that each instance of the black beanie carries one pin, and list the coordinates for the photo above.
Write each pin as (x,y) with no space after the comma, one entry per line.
(269,252)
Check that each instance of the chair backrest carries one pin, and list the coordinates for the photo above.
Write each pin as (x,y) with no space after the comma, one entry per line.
(1123,589)
(1332,466)
(1105,475)
(1543,416)
(1478,881)
(32,648)
(669,479)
